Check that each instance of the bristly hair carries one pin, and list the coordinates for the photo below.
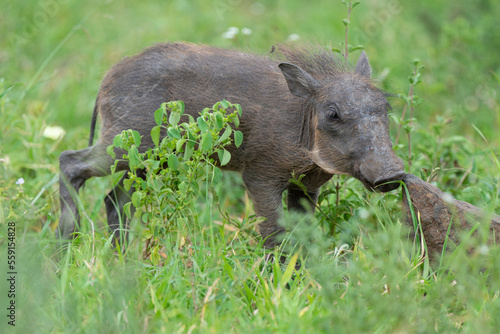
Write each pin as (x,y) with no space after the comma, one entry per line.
(312,58)
(389,94)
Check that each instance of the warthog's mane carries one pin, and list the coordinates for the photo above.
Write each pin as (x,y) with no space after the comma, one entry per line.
(321,62)
(317,60)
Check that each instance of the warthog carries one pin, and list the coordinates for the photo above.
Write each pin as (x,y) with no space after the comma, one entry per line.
(304,112)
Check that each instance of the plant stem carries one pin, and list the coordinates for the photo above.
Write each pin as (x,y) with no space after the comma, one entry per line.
(401,123)
(346,54)
(410,96)
(337,191)
(409,132)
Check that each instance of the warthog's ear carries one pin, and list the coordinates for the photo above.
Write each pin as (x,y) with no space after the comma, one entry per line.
(300,83)
(363,66)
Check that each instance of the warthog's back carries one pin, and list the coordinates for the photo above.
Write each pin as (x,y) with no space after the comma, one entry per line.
(199,76)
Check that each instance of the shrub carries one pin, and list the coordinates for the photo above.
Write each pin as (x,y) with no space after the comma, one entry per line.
(167,177)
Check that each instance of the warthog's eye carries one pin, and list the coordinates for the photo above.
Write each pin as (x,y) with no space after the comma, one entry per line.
(333,113)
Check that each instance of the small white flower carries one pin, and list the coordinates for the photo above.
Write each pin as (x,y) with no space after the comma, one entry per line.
(53,132)
(293,38)
(246,31)
(20,181)
(448,198)
(231,33)
(483,250)
(363,213)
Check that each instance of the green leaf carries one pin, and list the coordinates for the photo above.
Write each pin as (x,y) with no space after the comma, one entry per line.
(249,293)
(110,150)
(155,166)
(183,187)
(127,184)
(192,137)
(174,118)
(179,144)
(225,103)
(479,132)
(155,255)
(146,234)
(225,135)
(206,142)
(117,141)
(6,91)
(133,158)
(224,156)
(355,4)
(238,108)
(229,270)
(236,121)
(113,168)
(219,119)
(126,209)
(173,162)
(136,136)
(174,132)
(159,116)
(346,22)
(216,175)
(287,275)
(238,138)
(166,140)
(155,135)
(188,152)
(357,47)
(202,124)
(180,107)
(324,194)
(136,198)
(298,182)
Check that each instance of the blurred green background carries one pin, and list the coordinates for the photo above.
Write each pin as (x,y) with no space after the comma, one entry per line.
(53,57)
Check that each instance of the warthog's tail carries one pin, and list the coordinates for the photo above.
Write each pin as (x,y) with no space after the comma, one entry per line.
(92,124)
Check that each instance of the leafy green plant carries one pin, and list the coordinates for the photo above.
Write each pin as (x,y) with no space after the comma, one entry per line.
(173,170)
(411,101)
(345,48)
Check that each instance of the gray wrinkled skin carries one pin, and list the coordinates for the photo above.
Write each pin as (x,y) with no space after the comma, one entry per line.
(303,112)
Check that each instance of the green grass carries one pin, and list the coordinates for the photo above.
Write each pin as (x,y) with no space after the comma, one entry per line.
(361,271)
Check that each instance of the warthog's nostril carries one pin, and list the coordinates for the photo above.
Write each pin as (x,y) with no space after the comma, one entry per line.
(385,184)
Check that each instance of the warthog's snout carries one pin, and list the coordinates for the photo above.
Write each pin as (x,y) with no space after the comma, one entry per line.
(389,183)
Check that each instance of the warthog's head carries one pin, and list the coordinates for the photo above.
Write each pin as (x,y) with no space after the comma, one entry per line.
(350,124)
